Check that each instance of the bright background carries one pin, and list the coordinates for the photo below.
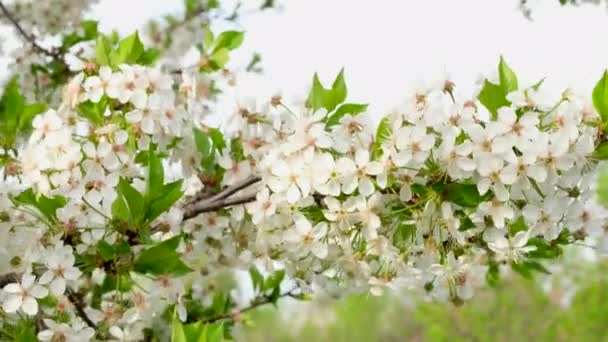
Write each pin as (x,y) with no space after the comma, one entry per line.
(386,46)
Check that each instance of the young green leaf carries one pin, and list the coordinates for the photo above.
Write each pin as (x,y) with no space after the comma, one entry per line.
(229,40)
(103,48)
(47,206)
(319,97)
(344,109)
(129,50)
(383,134)
(170,194)
(156,177)
(492,96)
(602,186)
(162,259)
(133,201)
(465,195)
(508,79)
(600,98)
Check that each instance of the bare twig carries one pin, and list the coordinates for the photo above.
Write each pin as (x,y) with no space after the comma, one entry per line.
(8,278)
(76,300)
(30,38)
(220,199)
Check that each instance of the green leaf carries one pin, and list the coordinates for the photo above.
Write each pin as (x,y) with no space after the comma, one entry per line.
(177,330)
(383,134)
(26,333)
(47,206)
(90,28)
(129,51)
(219,58)
(229,40)
(28,114)
(162,259)
(204,144)
(149,57)
(600,98)
(256,278)
(465,195)
(191,7)
(517,226)
(526,268)
(12,104)
(156,177)
(346,108)
(94,112)
(133,200)
(493,275)
(602,186)
(171,193)
(493,96)
(274,280)
(208,38)
(508,79)
(103,48)
(319,97)
(106,250)
(601,151)
(217,138)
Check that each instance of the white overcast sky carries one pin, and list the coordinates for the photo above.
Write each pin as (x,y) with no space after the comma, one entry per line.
(387,45)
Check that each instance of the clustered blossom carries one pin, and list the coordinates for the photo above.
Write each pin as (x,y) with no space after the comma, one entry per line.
(427,201)
(122,211)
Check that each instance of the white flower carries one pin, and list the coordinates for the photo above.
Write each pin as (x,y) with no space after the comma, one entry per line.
(511,249)
(290,178)
(95,86)
(235,170)
(306,238)
(544,218)
(264,206)
(23,295)
(44,124)
(499,212)
(413,143)
(60,269)
(357,174)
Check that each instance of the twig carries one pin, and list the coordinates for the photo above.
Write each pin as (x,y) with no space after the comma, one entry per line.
(8,278)
(220,200)
(30,38)
(79,307)
(259,301)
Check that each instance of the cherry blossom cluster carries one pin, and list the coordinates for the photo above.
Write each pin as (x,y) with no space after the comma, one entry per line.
(438,198)
(47,18)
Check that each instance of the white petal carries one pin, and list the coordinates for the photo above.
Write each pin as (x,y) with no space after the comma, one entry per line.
(30,306)
(12,303)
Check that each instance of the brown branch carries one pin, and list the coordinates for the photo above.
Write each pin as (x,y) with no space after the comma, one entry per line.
(76,300)
(30,38)
(257,302)
(8,278)
(221,200)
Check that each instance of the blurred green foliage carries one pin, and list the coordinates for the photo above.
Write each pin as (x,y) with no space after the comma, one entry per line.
(516,310)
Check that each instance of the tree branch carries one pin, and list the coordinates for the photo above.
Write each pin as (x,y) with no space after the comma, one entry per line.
(8,278)
(76,300)
(30,38)
(220,199)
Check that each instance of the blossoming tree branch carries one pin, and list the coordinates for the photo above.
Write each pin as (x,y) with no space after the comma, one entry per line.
(124,216)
